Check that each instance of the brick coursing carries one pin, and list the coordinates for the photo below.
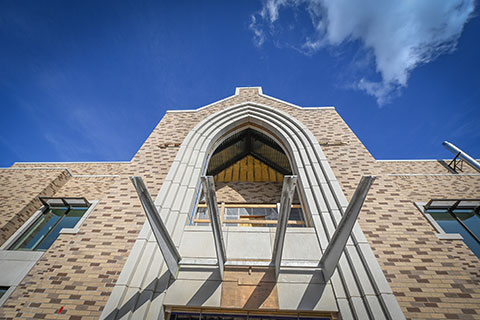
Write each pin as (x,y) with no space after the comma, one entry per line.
(19,192)
(79,168)
(419,167)
(431,278)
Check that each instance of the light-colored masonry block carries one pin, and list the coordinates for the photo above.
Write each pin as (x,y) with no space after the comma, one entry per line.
(317,187)
(328,159)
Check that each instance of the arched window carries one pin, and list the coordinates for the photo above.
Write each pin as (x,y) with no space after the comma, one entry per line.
(248,167)
(319,193)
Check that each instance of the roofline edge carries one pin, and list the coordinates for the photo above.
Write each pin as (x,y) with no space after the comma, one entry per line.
(260,92)
(69,162)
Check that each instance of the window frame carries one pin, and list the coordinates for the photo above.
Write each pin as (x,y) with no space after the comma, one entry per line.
(172,311)
(441,234)
(224,221)
(31,221)
(31,257)
(7,294)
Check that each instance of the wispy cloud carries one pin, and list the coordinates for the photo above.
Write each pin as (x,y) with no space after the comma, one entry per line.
(399,35)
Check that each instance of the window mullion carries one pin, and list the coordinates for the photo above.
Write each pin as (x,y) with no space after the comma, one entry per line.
(51,229)
(464,225)
(477,212)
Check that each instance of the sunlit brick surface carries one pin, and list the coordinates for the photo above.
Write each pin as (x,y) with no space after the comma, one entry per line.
(19,192)
(85,168)
(431,278)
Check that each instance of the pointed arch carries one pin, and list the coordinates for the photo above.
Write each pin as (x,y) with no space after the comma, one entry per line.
(319,190)
(360,288)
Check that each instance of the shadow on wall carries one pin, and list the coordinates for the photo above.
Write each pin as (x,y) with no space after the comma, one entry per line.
(446,166)
(241,289)
(153,290)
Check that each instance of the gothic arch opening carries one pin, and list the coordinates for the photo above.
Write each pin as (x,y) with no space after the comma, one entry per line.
(249,156)
(177,205)
(248,168)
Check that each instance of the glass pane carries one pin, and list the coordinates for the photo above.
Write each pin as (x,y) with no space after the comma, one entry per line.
(446,221)
(3,290)
(296,214)
(69,221)
(259,212)
(55,203)
(77,202)
(271,214)
(32,237)
(202,213)
(472,221)
(450,225)
(77,212)
(231,213)
(441,204)
(469,204)
(244,212)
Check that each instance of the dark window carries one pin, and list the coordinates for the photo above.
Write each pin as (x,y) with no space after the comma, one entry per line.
(3,290)
(463,221)
(45,230)
(249,156)
(226,316)
(259,215)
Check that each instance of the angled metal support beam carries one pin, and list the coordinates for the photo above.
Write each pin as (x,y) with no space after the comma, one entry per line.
(337,243)
(289,183)
(225,165)
(461,155)
(165,242)
(269,163)
(211,199)
(266,141)
(231,141)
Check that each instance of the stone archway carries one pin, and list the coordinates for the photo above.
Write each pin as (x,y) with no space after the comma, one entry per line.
(359,286)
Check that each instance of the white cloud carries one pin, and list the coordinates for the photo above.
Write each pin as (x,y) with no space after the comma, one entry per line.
(401,35)
(259,35)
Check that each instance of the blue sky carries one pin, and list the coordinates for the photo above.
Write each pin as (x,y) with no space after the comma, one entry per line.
(89,80)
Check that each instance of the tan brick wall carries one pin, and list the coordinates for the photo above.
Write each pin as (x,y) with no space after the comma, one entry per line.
(417,167)
(251,192)
(430,278)
(92,188)
(19,192)
(81,168)
(424,188)
(79,271)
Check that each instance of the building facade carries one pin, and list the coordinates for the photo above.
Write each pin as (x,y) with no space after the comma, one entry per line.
(75,243)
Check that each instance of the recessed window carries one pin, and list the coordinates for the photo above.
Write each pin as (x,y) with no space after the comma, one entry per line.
(458,217)
(249,156)
(59,213)
(3,290)
(241,316)
(250,215)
